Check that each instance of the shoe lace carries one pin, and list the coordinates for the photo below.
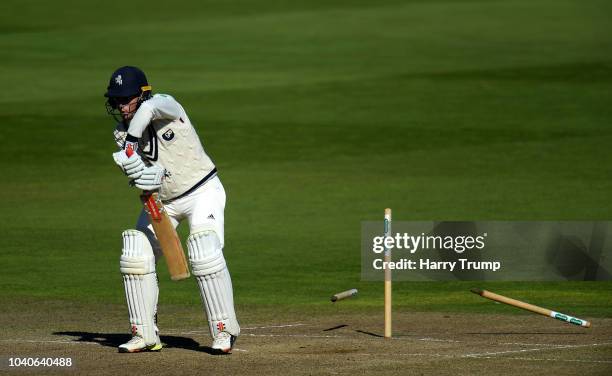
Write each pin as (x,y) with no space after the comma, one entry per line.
(135,340)
(222,336)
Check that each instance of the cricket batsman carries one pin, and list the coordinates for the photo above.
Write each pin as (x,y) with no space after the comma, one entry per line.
(170,159)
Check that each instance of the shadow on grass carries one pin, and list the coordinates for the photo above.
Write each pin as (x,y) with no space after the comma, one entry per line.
(335,328)
(116,339)
(369,333)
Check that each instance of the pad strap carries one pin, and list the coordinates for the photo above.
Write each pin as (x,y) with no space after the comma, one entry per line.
(137,255)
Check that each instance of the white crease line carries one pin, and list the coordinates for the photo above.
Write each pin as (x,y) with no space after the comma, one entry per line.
(437,340)
(530,344)
(401,354)
(488,354)
(413,354)
(48,341)
(347,337)
(235,349)
(207,331)
(426,339)
(561,360)
(484,357)
(292,335)
(273,326)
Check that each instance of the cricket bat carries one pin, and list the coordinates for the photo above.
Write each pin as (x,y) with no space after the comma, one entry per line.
(165,233)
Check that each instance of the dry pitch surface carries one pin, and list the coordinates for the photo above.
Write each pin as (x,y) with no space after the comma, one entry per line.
(339,344)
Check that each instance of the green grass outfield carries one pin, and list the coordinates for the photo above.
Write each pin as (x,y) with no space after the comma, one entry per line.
(319,114)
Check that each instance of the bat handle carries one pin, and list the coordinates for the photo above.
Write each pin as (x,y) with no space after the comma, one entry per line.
(148,199)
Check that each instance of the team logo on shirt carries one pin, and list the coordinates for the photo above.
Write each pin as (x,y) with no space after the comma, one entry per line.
(168,135)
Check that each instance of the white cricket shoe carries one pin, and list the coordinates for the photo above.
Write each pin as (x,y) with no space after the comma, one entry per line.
(223,342)
(138,344)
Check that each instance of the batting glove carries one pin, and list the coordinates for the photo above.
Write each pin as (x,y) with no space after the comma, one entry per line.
(131,166)
(150,179)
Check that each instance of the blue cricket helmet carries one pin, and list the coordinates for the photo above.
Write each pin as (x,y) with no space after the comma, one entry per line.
(126,82)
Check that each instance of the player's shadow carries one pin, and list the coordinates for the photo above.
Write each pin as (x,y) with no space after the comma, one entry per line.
(116,339)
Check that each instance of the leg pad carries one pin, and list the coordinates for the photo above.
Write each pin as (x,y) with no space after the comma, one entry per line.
(209,268)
